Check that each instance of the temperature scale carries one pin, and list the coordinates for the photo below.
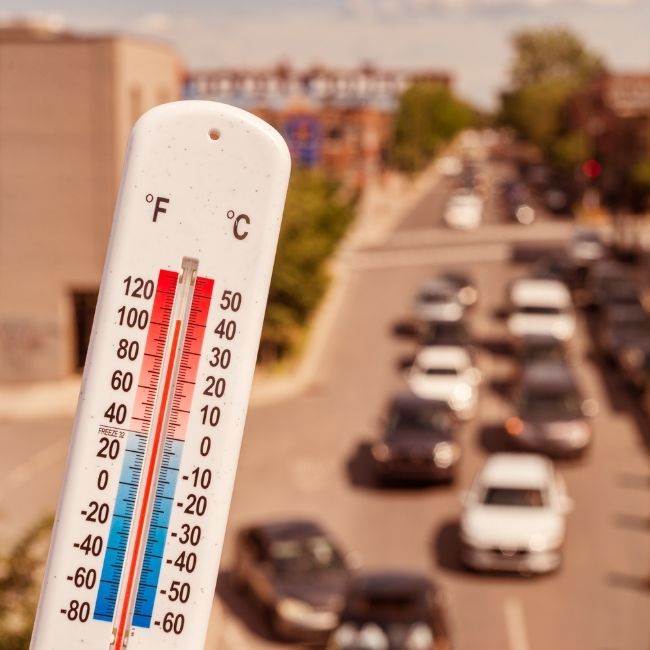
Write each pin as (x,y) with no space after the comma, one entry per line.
(137,540)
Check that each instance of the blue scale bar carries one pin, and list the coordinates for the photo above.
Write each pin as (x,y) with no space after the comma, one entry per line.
(118,536)
(157,535)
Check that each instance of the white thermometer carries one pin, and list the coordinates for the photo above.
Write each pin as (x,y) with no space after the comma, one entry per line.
(140,525)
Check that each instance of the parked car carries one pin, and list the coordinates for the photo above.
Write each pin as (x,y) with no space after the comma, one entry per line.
(393,611)
(541,307)
(464,210)
(464,285)
(454,333)
(514,516)
(446,373)
(417,442)
(519,203)
(633,359)
(620,327)
(437,301)
(297,573)
(609,283)
(535,348)
(586,247)
(551,413)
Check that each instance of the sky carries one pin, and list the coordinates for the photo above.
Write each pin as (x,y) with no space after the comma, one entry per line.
(469,38)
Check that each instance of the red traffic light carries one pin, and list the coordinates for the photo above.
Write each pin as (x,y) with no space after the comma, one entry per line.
(592,168)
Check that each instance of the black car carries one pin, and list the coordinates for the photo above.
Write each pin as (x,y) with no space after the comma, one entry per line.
(297,573)
(551,414)
(535,348)
(393,611)
(445,333)
(418,442)
(621,327)
(609,283)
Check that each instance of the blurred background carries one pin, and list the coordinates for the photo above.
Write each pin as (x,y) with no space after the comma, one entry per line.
(447,445)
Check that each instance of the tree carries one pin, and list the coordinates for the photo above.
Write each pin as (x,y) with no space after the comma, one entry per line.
(428,116)
(315,219)
(549,66)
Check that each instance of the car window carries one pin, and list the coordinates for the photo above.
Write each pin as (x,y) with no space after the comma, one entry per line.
(538,310)
(516,497)
(449,372)
(422,418)
(539,405)
(304,555)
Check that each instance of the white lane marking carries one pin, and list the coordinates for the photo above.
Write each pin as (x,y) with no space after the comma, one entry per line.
(515,624)
(40,461)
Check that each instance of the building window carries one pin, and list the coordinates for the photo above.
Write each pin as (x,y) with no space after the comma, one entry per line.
(84,303)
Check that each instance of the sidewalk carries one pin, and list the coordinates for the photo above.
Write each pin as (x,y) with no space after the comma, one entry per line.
(382,206)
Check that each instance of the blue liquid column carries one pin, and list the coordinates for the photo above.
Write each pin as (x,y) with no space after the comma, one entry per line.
(118,536)
(157,536)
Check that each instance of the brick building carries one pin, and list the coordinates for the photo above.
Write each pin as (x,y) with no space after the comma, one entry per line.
(67,104)
(338,120)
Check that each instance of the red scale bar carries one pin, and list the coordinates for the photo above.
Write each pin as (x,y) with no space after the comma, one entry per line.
(190,358)
(154,350)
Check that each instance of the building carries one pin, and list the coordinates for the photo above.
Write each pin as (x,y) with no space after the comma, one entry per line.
(337,120)
(614,113)
(67,104)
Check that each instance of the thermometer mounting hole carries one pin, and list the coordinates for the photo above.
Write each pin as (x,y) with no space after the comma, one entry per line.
(214,134)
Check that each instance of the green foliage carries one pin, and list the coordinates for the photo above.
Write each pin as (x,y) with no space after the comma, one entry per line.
(550,65)
(428,115)
(641,175)
(315,219)
(20,581)
(569,151)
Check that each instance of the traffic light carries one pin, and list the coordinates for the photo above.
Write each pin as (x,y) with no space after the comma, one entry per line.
(592,169)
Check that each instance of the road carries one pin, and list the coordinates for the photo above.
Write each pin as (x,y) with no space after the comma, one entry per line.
(301,457)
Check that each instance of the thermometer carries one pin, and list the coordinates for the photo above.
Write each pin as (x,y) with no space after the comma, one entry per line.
(140,525)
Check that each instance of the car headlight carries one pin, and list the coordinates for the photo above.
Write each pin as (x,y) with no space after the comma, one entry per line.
(445,454)
(381,452)
(461,396)
(538,543)
(293,610)
(368,637)
(420,637)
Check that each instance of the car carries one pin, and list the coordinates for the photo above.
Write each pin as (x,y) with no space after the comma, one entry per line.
(393,610)
(609,283)
(418,442)
(446,373)
(455,333)
(465,287)
(551,413)
(437,300)
(514,516)
(297,573)
(586,247)
(535,348)
(540,306)
(518,202)
(633,360)
(622,326)
(464,211)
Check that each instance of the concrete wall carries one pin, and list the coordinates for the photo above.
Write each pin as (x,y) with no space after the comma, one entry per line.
(66,106)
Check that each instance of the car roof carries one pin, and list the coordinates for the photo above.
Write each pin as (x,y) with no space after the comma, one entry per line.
(516,470)
(443,356)
(539,292)
(390,583)
(555,376)
(409,400)
(287,529)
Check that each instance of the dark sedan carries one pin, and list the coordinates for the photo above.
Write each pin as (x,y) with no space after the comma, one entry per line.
(609,283)
(393,611)
(551,413)
(297,573)
(621,327)
(418,442)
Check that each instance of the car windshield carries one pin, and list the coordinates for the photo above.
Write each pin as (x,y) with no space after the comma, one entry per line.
(511,496)
(388,607)
(539,310)
(550,405)
(418,419)
(439,371)
(542,353)
(433,298)
(307,555)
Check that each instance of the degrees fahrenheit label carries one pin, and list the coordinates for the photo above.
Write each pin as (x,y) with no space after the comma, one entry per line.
(138,534)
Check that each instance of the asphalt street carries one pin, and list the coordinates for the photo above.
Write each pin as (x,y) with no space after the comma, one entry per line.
(305,457)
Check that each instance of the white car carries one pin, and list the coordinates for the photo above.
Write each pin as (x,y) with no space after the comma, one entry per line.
(587,246)
(438,301)
(514,517)
(541,307)
(464,210)
(446,373)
